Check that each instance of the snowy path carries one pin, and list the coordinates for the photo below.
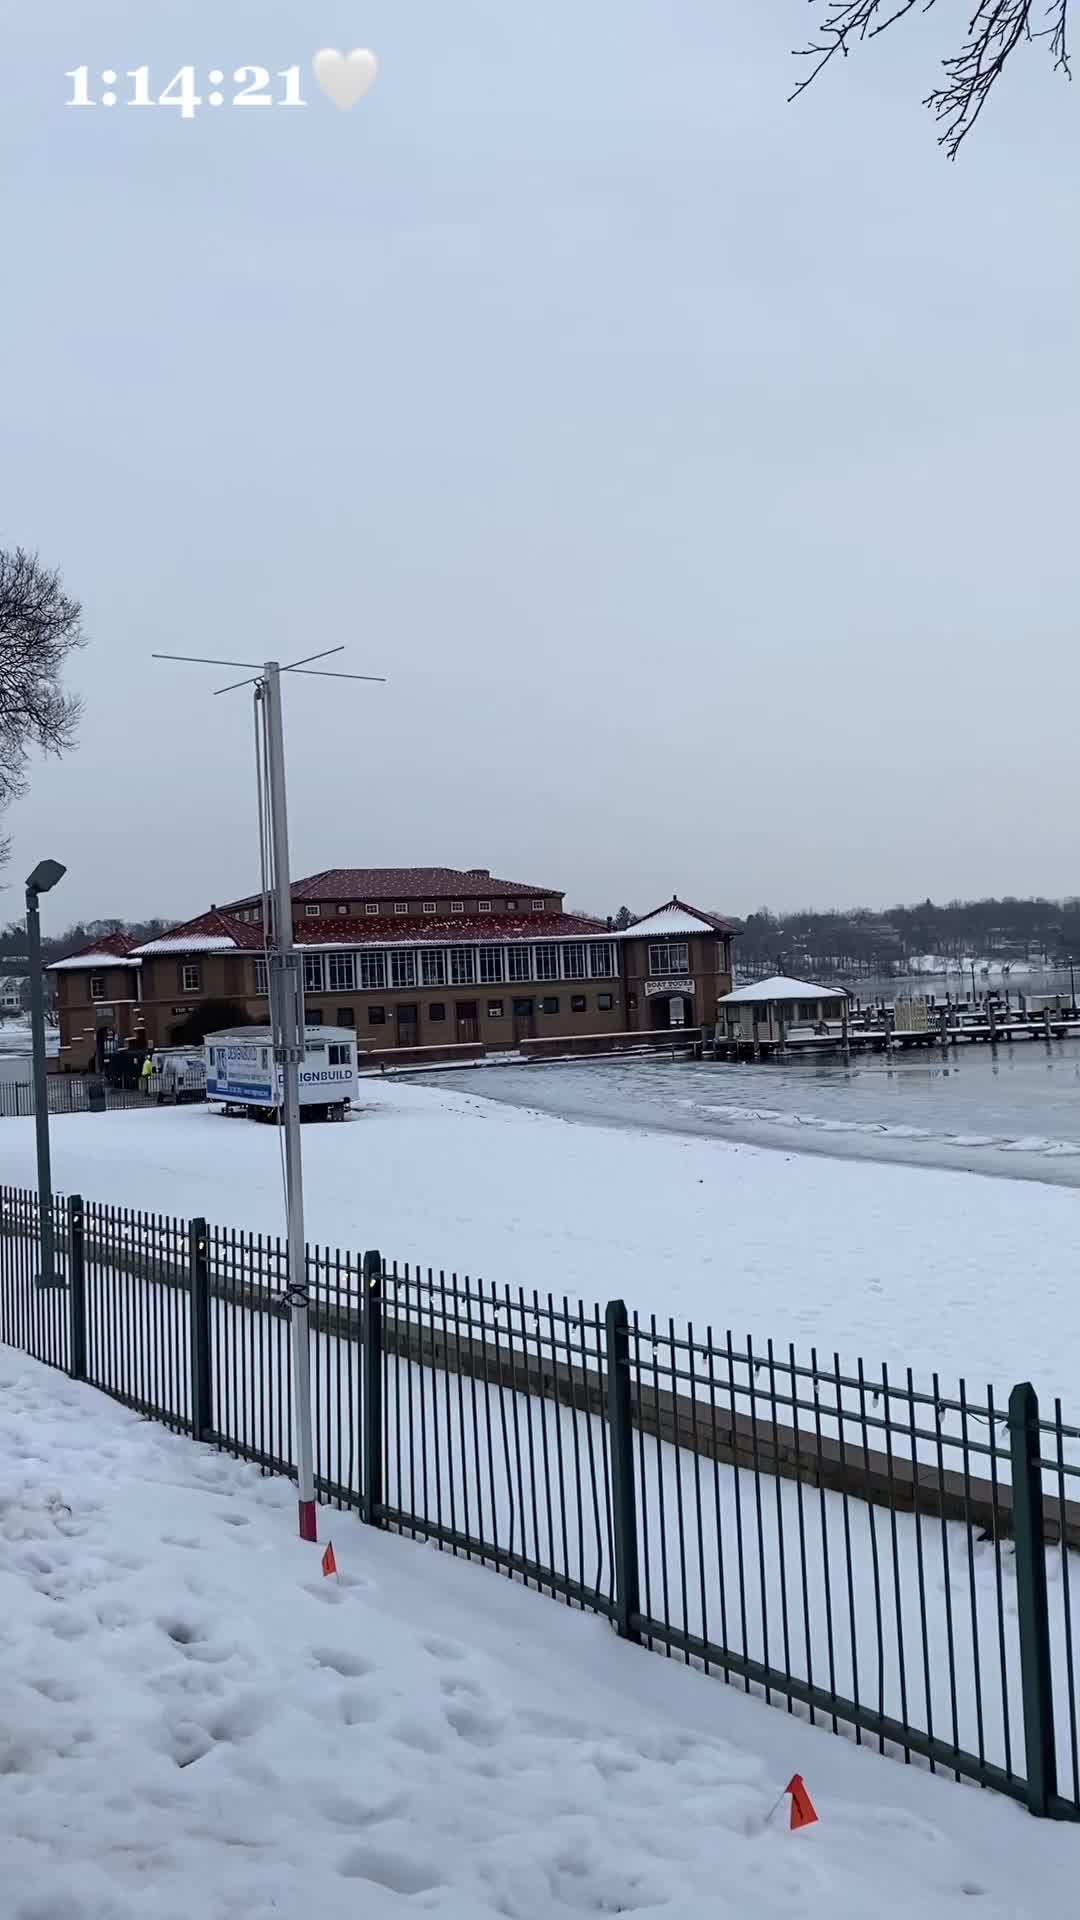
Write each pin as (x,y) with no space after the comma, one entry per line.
(194,1725)
(919,1268)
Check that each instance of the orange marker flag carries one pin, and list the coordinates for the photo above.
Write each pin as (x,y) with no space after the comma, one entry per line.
(329,1565)
(803,1811)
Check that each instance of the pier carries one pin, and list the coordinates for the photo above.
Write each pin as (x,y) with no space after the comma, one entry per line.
(904,1025)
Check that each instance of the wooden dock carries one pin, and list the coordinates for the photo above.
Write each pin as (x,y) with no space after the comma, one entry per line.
(886,1029)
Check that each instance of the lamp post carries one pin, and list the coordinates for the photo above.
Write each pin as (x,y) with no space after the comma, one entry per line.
(42,880)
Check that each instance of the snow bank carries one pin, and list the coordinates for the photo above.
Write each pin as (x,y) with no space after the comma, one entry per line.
(195,1725)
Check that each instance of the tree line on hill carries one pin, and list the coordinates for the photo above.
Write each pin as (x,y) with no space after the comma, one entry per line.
(862,941)
(865,941)
(82,934)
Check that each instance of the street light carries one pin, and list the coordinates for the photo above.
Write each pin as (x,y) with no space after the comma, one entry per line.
(42,880)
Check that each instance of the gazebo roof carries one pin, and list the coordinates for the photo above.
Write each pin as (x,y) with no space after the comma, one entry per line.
(778,987)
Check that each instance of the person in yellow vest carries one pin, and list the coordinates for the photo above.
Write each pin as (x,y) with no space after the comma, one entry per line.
(146,1072)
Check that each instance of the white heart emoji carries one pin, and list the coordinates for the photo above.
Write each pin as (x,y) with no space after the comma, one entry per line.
(345,77)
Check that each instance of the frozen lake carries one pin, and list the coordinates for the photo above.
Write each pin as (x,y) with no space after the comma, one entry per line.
(1014,1113)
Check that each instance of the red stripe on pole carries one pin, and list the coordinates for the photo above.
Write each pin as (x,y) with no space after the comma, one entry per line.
(309,1528)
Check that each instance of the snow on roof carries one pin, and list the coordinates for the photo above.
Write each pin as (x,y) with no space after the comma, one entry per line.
(212,932)
(779,986)
(95,958)
(106,950)
(675,917)
(189,943)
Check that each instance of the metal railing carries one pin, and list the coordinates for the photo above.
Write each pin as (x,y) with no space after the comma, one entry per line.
(886,1558)
(85,1093)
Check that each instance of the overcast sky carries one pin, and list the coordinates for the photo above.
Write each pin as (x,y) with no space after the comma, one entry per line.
(701,470)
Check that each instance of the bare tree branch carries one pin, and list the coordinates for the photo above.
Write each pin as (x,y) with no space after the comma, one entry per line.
(40,625)
(994,31)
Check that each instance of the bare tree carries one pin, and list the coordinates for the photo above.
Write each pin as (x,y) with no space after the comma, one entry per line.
(995,29)
(40,625)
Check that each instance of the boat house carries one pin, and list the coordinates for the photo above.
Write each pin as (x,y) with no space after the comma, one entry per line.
(767,1013)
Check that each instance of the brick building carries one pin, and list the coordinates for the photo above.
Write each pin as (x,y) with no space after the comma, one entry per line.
(409,957)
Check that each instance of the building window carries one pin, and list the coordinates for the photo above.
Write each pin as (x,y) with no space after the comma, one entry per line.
(433,967)
(338,1056)
(372,971)
(495,1009)
(547,961)
(491,966)
(518,963)
(313,972)
(376,1016)
(483,906)
(457,906)
(401,906)
(578,1003)
(311,911)
(346,1017)
(574,964)
(511,906)
(605,1002)
(429,906)
(537,906)
(262,977)
(462,966)
(371,907)
(674,957)
(550,1004)
(342,972)
(190,978)
(437,1010)
(403,969)
(601,965)
(313,1017)
(342,907)
(97,986)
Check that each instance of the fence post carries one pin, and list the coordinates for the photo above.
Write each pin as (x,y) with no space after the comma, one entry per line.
(1033,1616)
(372,1393)
(76,1287)
(202,1420)
(623,1497)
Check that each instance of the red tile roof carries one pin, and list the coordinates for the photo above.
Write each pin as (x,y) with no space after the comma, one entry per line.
(120,944)
(418,930)
(213,925)
(405,883)
(354,930)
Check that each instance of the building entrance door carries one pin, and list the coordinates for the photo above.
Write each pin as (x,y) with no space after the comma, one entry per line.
(408,1026)
(524,1020)
(670,1010)
(468,1020)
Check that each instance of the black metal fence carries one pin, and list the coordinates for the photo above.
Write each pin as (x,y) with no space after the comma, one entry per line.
(890,1559)
(86,1093)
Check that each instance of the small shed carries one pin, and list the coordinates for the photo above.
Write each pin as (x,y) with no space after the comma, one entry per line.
(767,1012)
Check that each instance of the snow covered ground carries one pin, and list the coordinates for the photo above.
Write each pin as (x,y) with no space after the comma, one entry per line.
(195,1725)
(921,1268)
